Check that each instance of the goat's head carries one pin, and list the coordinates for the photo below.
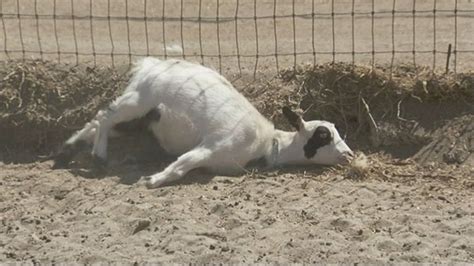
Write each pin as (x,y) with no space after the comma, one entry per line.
(319,140)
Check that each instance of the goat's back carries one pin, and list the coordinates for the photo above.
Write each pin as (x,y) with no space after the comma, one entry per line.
(210,102)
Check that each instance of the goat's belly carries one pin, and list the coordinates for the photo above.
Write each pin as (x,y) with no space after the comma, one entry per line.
(175,133)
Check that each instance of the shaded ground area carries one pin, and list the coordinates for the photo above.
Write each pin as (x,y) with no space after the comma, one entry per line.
(408,199)
(40,102)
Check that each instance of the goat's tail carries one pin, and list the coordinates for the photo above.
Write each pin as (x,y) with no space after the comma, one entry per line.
(139,71)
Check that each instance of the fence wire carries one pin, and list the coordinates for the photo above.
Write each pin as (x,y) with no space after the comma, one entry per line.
(242,35)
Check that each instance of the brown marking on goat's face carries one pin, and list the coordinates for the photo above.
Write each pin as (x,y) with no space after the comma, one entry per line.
(321,137)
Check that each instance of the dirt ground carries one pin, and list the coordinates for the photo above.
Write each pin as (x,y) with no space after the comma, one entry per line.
(408,199)
(309,216)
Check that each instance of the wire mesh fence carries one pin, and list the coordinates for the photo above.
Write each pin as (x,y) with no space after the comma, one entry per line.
(242,35)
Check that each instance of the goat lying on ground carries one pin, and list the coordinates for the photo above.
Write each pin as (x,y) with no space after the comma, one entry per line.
(197,114)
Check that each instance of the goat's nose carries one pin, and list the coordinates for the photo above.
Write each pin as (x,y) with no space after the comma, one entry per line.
(348,153)
(347,157)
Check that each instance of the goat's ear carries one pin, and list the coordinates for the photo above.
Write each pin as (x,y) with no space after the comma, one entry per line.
(295,120)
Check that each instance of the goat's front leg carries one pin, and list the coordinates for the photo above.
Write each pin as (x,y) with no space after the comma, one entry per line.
(195,158)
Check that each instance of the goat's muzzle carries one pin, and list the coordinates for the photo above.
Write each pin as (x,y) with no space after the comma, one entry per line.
(346,157)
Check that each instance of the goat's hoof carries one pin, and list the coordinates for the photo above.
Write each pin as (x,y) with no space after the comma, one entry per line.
(99,162)
(61,161)
(67,152)
(147,181)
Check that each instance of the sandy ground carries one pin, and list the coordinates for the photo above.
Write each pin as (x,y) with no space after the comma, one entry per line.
(295,215)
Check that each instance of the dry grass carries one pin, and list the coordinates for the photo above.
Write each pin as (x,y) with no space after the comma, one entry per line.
(42,102)
(337,92)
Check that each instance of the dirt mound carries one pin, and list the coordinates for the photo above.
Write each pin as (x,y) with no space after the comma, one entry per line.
(399,112)
(452,143)
(396,112)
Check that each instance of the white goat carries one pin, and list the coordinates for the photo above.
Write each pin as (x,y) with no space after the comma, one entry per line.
(197,114)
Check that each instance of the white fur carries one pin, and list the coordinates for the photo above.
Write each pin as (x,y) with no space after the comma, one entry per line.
(205,121)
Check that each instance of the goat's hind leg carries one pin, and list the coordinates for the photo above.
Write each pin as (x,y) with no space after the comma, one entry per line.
(128,106)
(77,142)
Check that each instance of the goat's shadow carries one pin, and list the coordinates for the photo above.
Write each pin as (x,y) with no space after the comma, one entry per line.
(130,159)
(132,173)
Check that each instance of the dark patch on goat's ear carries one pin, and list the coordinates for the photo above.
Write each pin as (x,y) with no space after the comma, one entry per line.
(321,137)
(292,117)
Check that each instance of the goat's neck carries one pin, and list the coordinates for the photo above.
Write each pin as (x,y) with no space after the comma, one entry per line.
(289,147)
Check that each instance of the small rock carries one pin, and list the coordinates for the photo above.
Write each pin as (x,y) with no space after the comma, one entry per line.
(218,209)
(45,239)
(140,225)
(388,246)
